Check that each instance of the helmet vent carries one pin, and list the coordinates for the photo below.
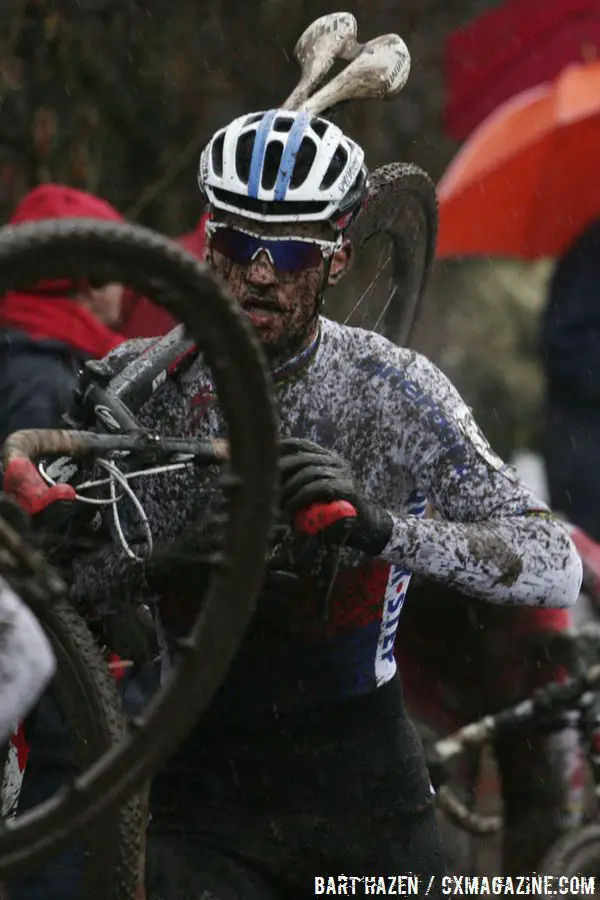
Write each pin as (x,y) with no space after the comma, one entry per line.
(319,127)
(282,124)
(335,168)
(271,166)
(272,207)
(217,155)
(243,155)
(303,163)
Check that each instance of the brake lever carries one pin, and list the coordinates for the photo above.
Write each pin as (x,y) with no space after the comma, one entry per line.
(93,407)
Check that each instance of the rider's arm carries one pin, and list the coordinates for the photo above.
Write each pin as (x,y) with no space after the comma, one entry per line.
(495,539)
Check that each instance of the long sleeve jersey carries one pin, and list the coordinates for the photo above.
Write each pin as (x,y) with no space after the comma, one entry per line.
(409,438)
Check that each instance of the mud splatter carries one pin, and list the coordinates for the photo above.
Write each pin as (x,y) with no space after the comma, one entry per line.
(408,436)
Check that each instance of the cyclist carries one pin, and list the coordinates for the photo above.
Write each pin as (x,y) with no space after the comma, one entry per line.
(306,763)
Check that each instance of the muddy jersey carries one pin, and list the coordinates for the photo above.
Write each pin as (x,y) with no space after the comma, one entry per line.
(408,437)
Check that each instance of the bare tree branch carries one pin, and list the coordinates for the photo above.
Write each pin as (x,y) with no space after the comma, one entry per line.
(154,190)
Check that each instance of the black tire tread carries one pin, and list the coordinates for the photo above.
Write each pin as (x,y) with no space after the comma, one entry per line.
(112,848)
(402,205)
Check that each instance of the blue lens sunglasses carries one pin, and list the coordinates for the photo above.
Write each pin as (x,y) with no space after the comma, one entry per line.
(286,254)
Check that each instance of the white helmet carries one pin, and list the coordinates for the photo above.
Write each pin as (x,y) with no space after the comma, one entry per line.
(282,166)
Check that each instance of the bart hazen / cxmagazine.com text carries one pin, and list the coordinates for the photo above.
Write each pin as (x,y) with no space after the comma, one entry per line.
(455,885)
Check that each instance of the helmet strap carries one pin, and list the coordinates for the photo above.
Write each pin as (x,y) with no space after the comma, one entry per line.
(324,284)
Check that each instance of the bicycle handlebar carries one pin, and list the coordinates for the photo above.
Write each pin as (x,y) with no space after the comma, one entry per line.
(22,481)
(550,699)
(33,443)
(322,515)
(24,484)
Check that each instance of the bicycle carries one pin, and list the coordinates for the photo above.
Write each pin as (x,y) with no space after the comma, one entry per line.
(117,757)
(578,851)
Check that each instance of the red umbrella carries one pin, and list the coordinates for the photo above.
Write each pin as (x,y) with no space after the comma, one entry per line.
(512,49)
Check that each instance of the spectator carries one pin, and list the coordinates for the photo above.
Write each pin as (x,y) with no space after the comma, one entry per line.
(46,336)
(570,344)
(47,333)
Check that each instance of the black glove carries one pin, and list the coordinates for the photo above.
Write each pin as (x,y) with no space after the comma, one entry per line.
(187,562)
(310,474)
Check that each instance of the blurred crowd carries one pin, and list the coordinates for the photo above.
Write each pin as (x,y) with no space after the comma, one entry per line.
(48,332)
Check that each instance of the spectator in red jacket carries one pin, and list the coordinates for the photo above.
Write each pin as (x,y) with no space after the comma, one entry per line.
(47,334)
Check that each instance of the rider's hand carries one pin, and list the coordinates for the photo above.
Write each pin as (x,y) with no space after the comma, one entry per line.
(309,474)
(16,517)
(55,518)
(187,562)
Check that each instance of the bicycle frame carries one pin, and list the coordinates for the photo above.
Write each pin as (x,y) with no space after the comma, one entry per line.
(580,694)
(125,391)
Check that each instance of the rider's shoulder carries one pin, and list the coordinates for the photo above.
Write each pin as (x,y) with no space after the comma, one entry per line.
(377,356)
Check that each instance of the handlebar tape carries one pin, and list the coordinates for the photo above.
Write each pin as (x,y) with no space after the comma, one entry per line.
(319,516)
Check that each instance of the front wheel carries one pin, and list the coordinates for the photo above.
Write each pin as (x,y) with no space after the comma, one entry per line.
(155,267)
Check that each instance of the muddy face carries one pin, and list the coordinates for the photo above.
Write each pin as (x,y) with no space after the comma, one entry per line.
(282,306)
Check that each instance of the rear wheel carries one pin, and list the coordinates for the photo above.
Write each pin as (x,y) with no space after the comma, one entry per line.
(396,233)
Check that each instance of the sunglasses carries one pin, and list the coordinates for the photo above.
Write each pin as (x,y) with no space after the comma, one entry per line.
(286,254)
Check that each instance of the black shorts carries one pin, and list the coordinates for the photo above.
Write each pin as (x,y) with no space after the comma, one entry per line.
(344,792)
(286,856)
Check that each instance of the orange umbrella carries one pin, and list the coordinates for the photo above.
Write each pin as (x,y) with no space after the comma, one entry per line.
(528,181)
